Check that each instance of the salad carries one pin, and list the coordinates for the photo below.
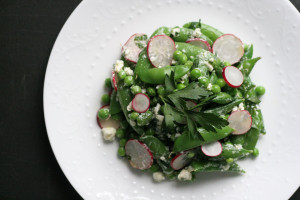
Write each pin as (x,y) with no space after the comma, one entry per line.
(182,102)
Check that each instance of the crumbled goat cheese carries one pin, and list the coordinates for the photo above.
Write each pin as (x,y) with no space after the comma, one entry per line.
(158,176)
(160,119)
(235,108)
(241,106)
(211,60)
(132,123)
(128,71)
(197,33)
(210,67)
(175,30)
(119,65)
(238,146)
(129,107)
(127,52)
(109,133)
(158,86)
(173,62)
(162,158)
(185,175)
(224,167)
(157,108)
(209,87)
(177,135)
(144,91)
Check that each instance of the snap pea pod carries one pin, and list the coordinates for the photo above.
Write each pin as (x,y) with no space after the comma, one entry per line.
(209,136)
(246,66)
(237,139)
(125,97)
(155,145)
(248,52)
(144,118)
(148,74)
(222,98)
(234,92)
(166,167)
(114,107)
(213,78)
(185,142)
(233,151)
(162,31)
(257,118)
(251,138)
(223,110)
(192,25)
(191,50)
(185,33)
(252,96)
(215,166)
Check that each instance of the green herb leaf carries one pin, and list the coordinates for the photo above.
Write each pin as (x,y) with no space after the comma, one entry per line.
(176,115)
(169,83)
(186,142)
(192,91)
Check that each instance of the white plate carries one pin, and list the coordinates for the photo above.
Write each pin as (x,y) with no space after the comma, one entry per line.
(82,58)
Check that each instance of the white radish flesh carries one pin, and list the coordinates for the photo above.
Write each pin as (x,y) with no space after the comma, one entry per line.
(212,149)
(203,44)
(114,80)
(240,121)
(180,160)
(233,76)
(228,48)
(140,103)
(107,123)
(130,50)
(140,155)
(160,50)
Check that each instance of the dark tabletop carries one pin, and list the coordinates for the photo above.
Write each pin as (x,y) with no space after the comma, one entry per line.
(28,168)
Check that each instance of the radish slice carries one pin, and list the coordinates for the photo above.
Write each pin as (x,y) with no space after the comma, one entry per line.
(140,103)
(131,50)
(160,50)
(140,155)
(180,160)
(240,121)
(212,149)
(107,123)
(114,80)
(233,76)
(228,48)
(203,44)
(189,104)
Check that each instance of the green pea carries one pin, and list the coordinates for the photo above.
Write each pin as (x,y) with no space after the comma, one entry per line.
(161,90)
(154,168)
(204,81)
(128,80)
(124,124)
(189,63)
(256,152)
(177,54)
(108,83)
(120,133)
(151,91)
(191,154)
(215,89)
(144,118)
(150,131)
(226,63)
(195,73)
(103,113)
(122,142)
(183,59)
(180,86)
(220,82)
(121,151)
(121,74)
(260,90)
(229,160)
(105,99)
(175,90)
(118,116)
(135,89)
(133,115)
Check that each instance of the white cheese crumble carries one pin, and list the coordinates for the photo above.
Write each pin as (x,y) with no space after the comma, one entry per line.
(197,33)
(160,119)
(238,146)
(158,86)
(210,67)
(162,158)
(173,62)
(235,108)
(129,107)
(158,176)
(175,30)
(119,65)
(157,108)
(144,91)
(185,175)
(109,134)
(132,123)
(211,60)
(127,51)
(177,135)
(159,66)
(128,71)
(241,106)
(209,87)
(224,167)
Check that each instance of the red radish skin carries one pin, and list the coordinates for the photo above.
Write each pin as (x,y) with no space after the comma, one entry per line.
(212,149)
(180,160)
(233,80)
(108,123)
(228,48)
(203,44)
(157,49)
(140,154)
(133,48)
(140,103)
(241,121)
(114,80)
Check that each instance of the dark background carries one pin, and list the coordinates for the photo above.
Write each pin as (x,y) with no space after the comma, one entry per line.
(28,168)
